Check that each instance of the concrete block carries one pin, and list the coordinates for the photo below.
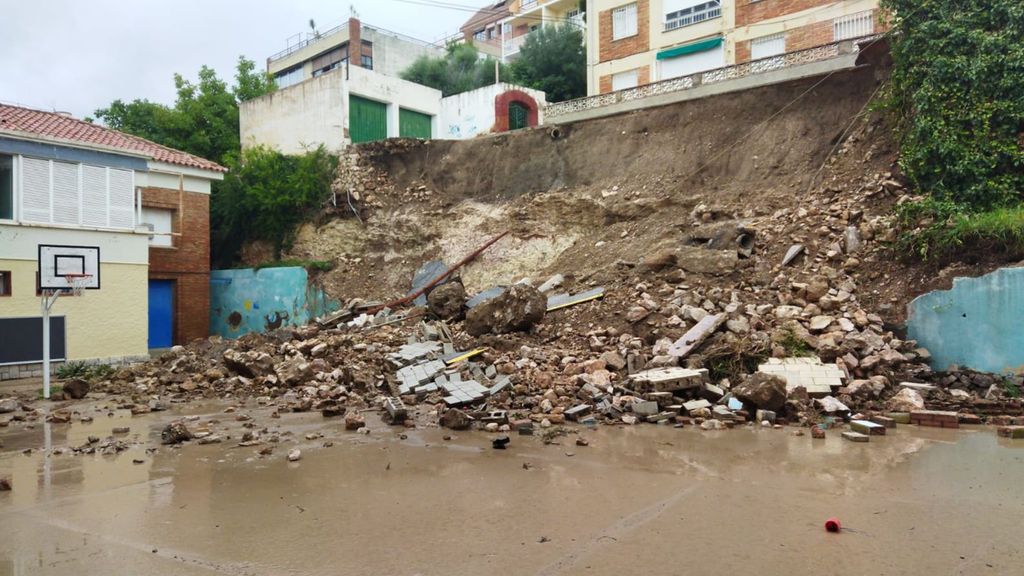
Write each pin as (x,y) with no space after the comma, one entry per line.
(696,405)
(856,437)
(884,421)
(668,379)
(645,408)
(935,419)
(579,410)
(899,417)
(867,427)
(1012,432)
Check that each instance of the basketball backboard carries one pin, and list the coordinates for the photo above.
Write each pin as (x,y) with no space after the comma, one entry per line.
(59,264)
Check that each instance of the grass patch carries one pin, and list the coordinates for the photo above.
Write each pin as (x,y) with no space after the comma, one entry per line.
(309,265)
(54,390)
(793,345)
(933,229)
(1011,388)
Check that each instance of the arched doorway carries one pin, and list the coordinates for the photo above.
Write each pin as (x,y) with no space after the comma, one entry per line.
(517,116)
(514,110)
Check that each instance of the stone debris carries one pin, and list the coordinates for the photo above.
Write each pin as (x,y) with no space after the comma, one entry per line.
(175,433)
(295,455)
(515,310)
(856,437)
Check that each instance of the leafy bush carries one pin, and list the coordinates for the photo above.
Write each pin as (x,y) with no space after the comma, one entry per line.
(460,70)
(265,196)
(958,89)
(77,369)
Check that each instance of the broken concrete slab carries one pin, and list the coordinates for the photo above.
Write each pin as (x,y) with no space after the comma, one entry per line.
(696,405)
(578,411)
(645,408)
(423,276)
(551,283)
(696,335)
(1012,432)
(856,437)
(791,254)
(884,421)
(923,389)
(560,301)
(817,378)
(668,379)
(867,427)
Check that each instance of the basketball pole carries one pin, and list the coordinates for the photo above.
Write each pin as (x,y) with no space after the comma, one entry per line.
(49,297)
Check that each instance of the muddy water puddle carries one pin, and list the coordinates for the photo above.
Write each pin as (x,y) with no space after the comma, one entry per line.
(645,498)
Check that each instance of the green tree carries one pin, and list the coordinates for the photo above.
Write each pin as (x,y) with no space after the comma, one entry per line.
(553,59)
(204,118)
(249,83)
(958,89)
(461,69)
(265,196)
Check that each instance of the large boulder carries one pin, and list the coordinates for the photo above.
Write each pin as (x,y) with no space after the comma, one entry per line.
(906,400)
(517,309)
(447,300)
(249,364)
(8,405)
(765,391)
(75,388)
(175,433)
(456,419)
(294,371)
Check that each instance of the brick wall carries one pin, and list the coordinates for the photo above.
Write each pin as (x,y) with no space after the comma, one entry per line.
(355,42)
(609,49)
(748,12)
(743,51)
(643,76)
(187,262)
(809,36)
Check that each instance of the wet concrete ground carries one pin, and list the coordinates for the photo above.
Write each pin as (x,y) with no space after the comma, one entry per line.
(644,499)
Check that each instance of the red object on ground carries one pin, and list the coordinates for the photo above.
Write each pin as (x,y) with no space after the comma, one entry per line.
(833,525)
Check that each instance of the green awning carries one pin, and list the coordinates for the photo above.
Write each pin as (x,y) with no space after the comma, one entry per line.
(692,48)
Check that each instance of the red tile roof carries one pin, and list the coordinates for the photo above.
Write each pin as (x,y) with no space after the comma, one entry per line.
(53,125)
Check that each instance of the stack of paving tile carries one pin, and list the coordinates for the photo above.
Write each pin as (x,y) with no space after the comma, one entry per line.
(409,353)
(420,378)
(461,391)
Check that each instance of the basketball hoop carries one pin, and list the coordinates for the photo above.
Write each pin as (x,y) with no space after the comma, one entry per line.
(77,283)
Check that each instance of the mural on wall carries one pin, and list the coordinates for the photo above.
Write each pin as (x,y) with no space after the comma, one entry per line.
(249,300)
(976,324)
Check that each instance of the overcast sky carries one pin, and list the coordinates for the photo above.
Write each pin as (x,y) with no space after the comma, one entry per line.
(79,55)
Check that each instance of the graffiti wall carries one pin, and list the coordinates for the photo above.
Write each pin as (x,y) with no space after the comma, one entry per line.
(248,300)
(977,324)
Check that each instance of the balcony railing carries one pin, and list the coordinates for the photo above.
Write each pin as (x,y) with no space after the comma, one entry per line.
(694,15)
(513,44)
(556,110)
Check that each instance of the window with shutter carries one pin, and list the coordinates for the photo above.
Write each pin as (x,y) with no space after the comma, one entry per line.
(65,193)
(122,199)
(767,46)
(624,22)
(35,190)
(94,196)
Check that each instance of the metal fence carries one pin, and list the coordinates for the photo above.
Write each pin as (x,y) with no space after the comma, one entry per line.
(682,83)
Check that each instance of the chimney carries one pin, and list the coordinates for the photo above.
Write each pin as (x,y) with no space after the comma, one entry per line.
(355,42)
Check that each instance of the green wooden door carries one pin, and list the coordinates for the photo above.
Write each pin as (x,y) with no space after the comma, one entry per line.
(413,124)
(368,120)
(516,116)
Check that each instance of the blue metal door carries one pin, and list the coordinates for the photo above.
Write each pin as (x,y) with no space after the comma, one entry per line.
(161,313)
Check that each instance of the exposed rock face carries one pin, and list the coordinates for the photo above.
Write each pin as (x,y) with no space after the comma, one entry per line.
(175,433)
(75,388)
(447,300)
(516,310)
(765,391)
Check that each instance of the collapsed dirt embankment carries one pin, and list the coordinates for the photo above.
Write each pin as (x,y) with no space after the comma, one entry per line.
(601,193)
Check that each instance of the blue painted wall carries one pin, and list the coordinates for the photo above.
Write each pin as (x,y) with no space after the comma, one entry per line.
(248,300)
(977,324)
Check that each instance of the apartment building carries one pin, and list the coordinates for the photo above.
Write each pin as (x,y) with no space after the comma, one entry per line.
(483,30)
(636,42)
(530,15)
(353,44)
